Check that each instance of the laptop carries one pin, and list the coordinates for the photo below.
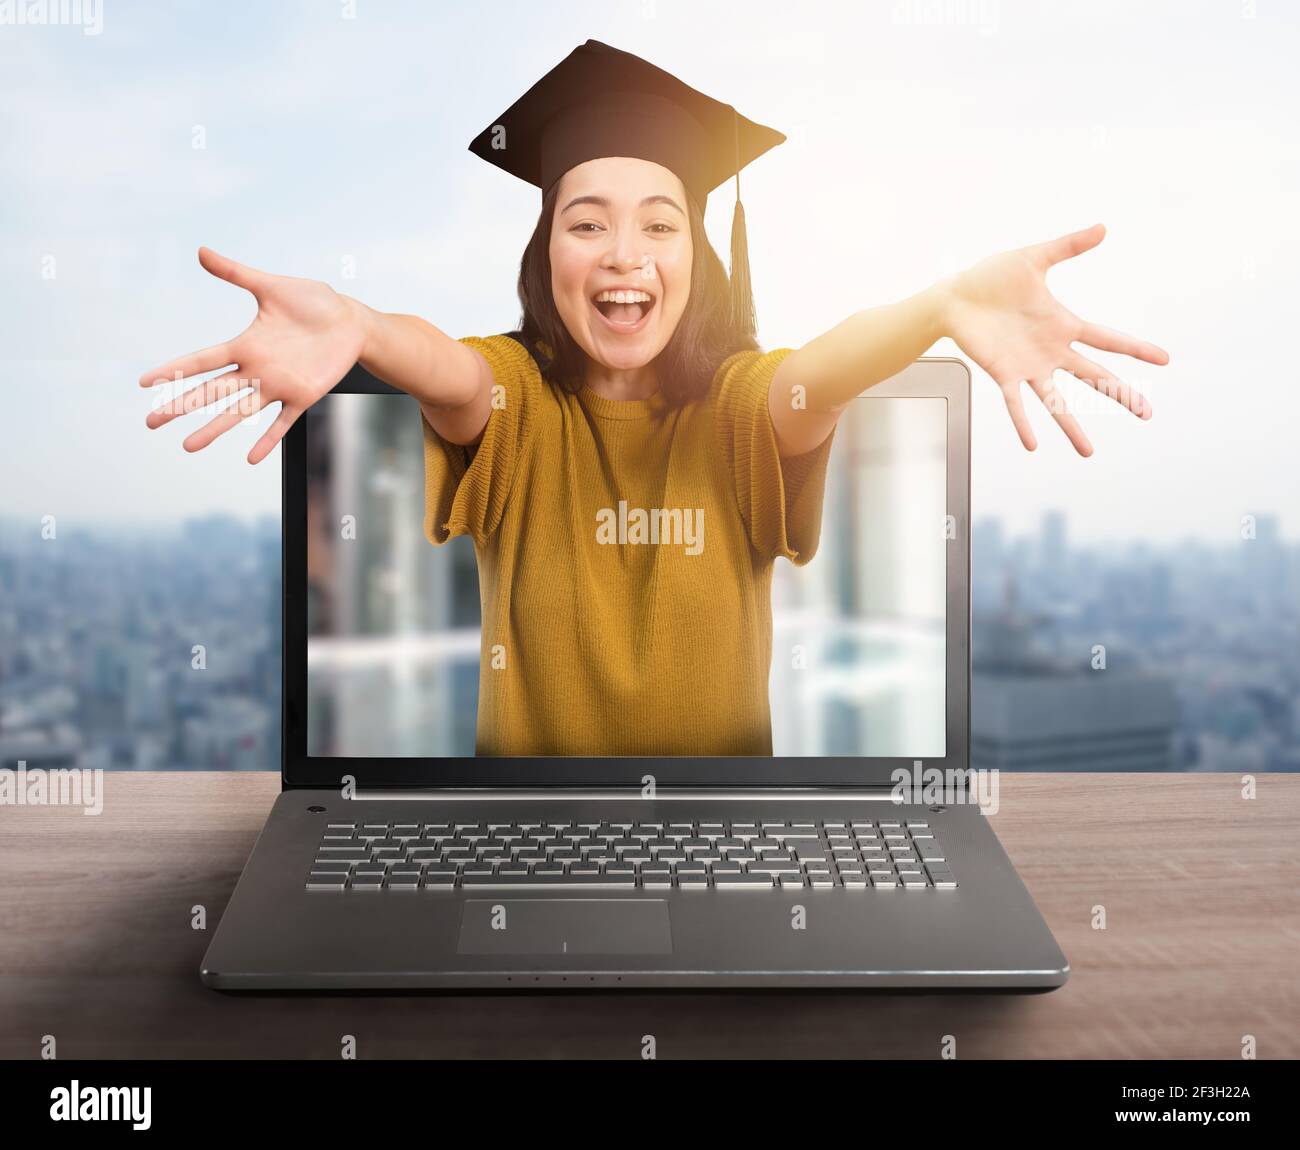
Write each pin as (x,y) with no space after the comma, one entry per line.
(858,855)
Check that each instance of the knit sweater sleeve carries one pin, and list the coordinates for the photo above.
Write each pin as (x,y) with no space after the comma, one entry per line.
(466,487)
(780,500)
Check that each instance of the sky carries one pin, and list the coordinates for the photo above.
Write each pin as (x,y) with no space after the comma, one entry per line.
(922,136)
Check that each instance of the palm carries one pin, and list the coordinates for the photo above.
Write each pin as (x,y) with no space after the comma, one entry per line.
(301,343)
(1002,315)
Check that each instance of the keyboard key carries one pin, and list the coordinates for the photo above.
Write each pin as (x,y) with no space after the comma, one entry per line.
(548,882)
(326,880)
(741,881)
(439,880)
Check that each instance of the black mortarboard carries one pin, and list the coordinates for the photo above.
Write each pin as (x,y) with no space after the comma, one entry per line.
(601,102)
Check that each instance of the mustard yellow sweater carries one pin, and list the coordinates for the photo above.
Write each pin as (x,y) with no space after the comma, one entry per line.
(625,553)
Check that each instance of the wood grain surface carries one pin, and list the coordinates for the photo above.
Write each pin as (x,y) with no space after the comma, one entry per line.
(1201,946)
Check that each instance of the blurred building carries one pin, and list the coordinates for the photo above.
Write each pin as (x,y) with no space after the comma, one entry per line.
(1034,711)
(393,627)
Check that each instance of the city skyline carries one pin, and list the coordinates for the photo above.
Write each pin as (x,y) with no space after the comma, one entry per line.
(108,683)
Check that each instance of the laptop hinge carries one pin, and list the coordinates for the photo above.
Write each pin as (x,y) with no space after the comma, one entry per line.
(661,794)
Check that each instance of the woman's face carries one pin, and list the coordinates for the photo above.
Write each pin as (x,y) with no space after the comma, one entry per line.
(620,223)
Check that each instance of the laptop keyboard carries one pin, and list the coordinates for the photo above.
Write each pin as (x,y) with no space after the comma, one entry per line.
(533,856)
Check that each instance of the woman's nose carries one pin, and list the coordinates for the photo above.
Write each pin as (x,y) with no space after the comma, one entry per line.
(622,252)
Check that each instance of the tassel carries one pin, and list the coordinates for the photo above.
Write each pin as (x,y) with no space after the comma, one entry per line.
(743,319)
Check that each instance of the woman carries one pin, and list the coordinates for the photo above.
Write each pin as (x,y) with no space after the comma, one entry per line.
(630,464)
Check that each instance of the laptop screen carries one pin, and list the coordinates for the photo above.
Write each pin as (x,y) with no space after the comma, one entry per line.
(395,657)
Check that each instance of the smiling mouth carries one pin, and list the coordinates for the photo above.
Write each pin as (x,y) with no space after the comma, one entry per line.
(629,315)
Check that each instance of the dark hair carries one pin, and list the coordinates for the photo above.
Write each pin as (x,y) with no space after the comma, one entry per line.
(705,335)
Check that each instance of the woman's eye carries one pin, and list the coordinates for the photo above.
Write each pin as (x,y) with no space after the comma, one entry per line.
(666,228)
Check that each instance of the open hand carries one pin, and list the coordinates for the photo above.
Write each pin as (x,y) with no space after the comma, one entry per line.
(304,339)
(1001,314)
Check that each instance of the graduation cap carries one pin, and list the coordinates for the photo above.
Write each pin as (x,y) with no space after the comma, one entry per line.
(599,101)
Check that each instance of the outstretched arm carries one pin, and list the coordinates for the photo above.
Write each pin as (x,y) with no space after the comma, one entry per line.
(999,312)
(303,340)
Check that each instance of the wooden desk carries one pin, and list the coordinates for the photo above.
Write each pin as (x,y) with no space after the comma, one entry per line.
(1202,943)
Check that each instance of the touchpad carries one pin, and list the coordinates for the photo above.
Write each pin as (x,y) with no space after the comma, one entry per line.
(565,926)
